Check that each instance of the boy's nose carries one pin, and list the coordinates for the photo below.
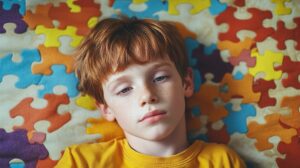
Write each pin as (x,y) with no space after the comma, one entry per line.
(148,96)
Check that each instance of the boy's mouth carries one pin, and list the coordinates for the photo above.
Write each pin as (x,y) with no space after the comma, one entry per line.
(153,116)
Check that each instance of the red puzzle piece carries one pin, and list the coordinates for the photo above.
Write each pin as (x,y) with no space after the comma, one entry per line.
(282,34)
(263,87)
(239,3)
(291,151)
(49,113)
(255,24)
(292,69)
(214,135)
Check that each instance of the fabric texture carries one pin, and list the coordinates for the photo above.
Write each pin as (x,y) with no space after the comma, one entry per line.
(118,154)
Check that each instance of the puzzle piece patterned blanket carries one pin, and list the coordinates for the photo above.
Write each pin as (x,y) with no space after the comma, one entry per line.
(245,56)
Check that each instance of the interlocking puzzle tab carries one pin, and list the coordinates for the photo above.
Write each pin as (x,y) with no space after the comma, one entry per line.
(50,56)
(271,127)
(49,113)
(21,69)
(282,34)
(265,64)
(11,16)
(198,5)
(291,151)
(280,8)
(15,145)
(292,119)
(231,88)
(255,24)
(292,69)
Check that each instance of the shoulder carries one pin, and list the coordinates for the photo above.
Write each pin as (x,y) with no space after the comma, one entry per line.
(87,155)
(219,154)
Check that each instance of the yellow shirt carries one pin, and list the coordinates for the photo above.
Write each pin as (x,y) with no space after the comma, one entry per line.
(118,154)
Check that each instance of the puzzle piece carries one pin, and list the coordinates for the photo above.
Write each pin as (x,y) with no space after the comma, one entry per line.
(79,20)
(86,102)
(282,34)
(15,145)
(265,64)
(149,12)
(291,151)
(235,48)
(50,56)
(49,113)
(52,35)
(232,88)
(198,6)
(12,16)
(59,77)
(208,63)
(245,56)
(205,99)
(239,3)
(263,87)
(36,137)
(108,130)
(74,8)
(40,17)
(214,135)
(7,5)
(292,119)
(280,8)
(236,121)
(292,69)
(217,7)
(48,162)
(272,127)
(255,24)
(21,69)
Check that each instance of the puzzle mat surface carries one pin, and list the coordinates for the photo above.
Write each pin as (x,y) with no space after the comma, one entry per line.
(245,56)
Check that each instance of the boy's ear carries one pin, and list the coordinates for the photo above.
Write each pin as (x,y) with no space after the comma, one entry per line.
(188,83)
(105,111)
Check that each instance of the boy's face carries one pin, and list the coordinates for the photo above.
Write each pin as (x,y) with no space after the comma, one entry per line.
(148,101)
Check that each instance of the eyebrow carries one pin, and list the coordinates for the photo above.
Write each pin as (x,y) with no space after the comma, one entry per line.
(122,78)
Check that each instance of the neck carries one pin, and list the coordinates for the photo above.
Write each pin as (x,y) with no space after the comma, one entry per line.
(170,145)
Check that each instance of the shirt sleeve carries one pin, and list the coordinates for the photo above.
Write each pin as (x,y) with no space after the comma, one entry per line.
(67,161)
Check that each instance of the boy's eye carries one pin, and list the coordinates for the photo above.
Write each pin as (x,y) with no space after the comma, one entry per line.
(160,79)
(124,91)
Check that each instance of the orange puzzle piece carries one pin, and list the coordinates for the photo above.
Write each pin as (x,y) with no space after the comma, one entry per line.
(272,127)
(235,48)
(293,119)
(205,98)
(50,56)
(49,113)
(40,17)
(239,88)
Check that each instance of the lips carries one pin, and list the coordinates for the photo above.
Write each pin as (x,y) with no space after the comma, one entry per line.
(153,114)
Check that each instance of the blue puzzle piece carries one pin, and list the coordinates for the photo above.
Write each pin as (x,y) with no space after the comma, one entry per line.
(21,69)
(190,45)
(238,76)
(153,6)
(236,121)
(7,5)
(59,77)
(217,7)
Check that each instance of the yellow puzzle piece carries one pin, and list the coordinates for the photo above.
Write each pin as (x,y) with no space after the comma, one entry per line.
(198,5)
(52,35)
(86,102)
(265,64)
(280,8)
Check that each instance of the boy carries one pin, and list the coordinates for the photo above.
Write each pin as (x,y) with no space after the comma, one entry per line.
(137,70)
